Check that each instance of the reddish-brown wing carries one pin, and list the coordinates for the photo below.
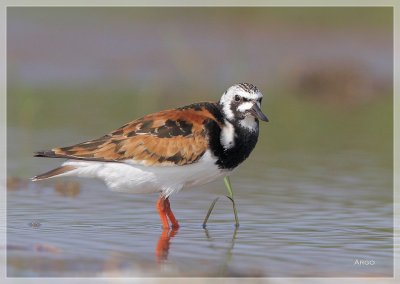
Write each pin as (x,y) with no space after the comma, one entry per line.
(172,137)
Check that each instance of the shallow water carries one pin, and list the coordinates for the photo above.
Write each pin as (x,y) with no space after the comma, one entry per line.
(300,215)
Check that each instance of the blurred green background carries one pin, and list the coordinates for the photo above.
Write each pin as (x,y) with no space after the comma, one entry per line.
(326,73)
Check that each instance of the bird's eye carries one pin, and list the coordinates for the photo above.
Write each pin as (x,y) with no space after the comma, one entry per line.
(260,100)
(237,98)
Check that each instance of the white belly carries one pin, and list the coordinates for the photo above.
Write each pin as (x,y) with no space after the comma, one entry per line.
(138,178)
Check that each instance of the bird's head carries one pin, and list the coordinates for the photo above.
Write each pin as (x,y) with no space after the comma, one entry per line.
(241,104)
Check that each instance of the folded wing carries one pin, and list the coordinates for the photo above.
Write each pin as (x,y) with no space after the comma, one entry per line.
(172,137)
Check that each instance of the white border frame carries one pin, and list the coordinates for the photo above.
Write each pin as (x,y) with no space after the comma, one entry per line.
(178,3)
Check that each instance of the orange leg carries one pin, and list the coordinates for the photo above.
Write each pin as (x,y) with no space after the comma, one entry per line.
(162,212)
(165,212)
(170,215)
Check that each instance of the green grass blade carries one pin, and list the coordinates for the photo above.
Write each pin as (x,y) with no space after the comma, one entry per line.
(228,185)
(209,212)
(230,192)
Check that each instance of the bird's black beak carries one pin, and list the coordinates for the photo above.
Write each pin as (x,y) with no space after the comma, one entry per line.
(257,112)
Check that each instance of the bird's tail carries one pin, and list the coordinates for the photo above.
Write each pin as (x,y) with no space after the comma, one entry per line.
(53,173)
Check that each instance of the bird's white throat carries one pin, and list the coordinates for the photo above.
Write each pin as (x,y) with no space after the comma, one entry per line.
(249,122)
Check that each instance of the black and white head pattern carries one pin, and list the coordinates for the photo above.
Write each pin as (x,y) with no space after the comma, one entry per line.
(239,103)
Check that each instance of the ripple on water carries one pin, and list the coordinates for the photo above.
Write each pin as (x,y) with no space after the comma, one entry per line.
(289,226)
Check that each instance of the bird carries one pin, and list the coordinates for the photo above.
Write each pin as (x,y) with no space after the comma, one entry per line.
(167,151)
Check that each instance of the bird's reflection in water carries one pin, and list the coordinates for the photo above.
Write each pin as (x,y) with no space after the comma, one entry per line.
(162,246)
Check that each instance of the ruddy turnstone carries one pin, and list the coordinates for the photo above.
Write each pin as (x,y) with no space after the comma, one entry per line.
(169,150)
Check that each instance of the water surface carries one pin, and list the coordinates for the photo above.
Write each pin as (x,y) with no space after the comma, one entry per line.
(299,216)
